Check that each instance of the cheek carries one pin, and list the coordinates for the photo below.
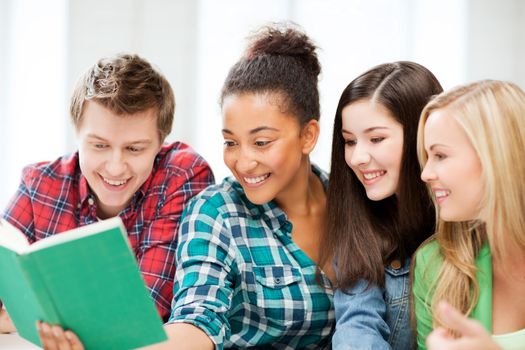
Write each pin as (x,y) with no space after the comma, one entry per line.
(229,159)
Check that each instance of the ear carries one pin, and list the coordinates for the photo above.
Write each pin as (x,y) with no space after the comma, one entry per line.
(309,136)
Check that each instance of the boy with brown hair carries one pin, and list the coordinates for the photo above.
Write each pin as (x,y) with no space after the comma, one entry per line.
(122,109)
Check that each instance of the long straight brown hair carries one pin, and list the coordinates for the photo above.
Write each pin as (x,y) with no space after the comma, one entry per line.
(363,235)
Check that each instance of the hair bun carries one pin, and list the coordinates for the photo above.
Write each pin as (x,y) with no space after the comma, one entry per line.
(284,40)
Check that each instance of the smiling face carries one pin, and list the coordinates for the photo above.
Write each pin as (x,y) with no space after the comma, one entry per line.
(453,168)
(116,154)
(263,147)
(373,147)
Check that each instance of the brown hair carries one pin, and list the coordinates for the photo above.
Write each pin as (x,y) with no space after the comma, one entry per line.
(125,84)
(362,235)
(280,60)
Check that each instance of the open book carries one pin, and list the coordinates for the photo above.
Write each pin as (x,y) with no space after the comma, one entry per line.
(86,280)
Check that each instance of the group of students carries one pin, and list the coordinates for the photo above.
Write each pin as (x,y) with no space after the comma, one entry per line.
(377,254)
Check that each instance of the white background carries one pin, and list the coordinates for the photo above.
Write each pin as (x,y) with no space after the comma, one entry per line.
(46,45)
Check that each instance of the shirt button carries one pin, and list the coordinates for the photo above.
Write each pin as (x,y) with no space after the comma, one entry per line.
(395,264)
(91,201)
(79,205)
(277,280)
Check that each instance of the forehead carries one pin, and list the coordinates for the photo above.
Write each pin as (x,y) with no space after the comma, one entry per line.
(245,112)
(441,127)
(363,114)
(102,122)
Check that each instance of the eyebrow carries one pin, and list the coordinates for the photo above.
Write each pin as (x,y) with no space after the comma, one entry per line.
(369,129)
(253,131)
(94,136)
(437,145)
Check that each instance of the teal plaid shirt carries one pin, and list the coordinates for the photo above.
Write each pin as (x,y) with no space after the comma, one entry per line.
(242,280)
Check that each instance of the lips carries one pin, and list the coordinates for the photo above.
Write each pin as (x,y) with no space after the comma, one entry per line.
(371,177)
(114,182)
(441,194)
(254,180)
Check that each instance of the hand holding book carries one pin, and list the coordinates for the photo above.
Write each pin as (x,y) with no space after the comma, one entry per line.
(86,280)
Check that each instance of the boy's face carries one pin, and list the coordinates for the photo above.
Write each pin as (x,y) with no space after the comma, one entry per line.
(116,154)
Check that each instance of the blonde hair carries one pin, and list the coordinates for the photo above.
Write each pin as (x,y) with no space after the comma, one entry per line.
(492,114)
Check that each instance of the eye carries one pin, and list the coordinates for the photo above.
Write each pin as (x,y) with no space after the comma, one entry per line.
(134,149)
(350,143)
(100,145)
(228,143)
(376,139)
(439,156)
(261,143)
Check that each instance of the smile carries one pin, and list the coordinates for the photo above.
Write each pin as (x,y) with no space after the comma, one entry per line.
(256,180)
(373,175)
(441,195)
(114,182)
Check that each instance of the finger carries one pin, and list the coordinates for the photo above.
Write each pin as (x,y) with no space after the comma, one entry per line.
(46,336)
(75,343)
(60,338)
(439,339)
(459,322)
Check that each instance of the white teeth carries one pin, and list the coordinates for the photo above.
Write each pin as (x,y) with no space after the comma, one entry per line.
(115,182)
(441,194)
(370,176)
(254,180)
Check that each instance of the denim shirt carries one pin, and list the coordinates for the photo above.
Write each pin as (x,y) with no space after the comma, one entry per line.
(375,318)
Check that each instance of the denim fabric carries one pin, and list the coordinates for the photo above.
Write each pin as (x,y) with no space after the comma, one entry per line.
(375,318)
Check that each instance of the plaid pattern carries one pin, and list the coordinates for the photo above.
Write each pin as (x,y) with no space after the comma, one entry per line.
(55,197)
(241,278)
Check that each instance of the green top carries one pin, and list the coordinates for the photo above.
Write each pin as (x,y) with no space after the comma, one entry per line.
(428,262)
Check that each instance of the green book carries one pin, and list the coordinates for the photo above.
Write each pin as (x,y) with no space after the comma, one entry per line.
(86,280)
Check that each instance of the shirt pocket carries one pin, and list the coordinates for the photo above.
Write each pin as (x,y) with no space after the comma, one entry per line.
(279,295)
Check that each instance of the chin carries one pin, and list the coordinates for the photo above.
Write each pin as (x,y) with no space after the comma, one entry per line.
(377,196)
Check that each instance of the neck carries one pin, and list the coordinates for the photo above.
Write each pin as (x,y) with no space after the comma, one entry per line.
(304,195)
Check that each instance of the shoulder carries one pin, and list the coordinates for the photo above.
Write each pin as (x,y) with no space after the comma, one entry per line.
(428,260)
(226,199)
(429,251)
(61,169)
(179,158)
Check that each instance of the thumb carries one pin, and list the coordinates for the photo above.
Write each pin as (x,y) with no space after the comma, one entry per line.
(459,322)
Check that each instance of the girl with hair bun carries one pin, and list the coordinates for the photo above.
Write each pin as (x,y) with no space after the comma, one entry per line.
(248,248)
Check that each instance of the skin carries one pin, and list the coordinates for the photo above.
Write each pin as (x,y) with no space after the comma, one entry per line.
(472,334)
(116,149)
(453,168)
(373,147)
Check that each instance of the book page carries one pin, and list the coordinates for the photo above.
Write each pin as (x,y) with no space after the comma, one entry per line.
(77,233)
(12,238)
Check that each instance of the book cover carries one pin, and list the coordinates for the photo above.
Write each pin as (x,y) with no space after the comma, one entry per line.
(86,280)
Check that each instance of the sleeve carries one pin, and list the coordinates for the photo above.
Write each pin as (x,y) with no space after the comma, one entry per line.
(19,211)
(206,272)
(422,306)
(159,238)
(360,318)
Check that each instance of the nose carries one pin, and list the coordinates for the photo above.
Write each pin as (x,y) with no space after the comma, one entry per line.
(359,156)
(428,174)
(116,164)
(246,161)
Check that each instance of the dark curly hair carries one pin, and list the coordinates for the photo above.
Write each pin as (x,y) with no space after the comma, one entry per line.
(280,60)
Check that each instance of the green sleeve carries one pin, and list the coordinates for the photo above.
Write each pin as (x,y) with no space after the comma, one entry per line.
(425,272)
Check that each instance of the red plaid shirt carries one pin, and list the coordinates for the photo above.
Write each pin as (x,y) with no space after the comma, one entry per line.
(55,197)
